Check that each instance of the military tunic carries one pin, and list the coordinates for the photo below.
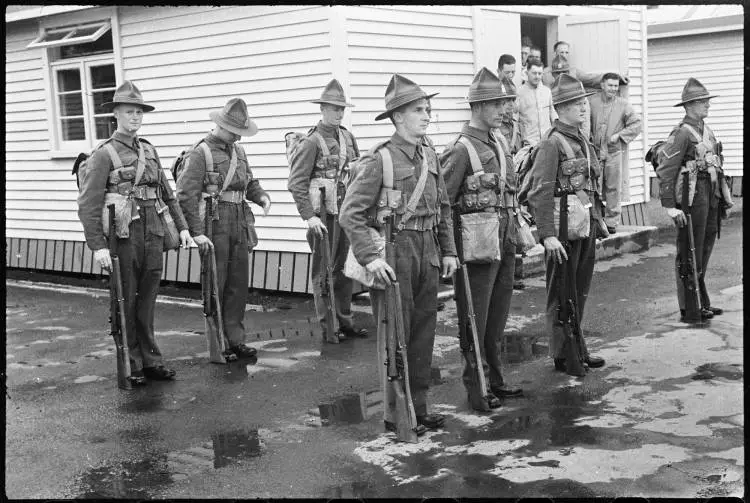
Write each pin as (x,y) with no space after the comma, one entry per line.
(544,186)
(491,284)
(230,232)
(308,162)
(678,151)
(141,254)
(428,235)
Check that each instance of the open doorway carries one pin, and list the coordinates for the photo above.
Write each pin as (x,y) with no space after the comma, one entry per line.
(536,29)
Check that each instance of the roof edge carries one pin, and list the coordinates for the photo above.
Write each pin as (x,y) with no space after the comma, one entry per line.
(695,26)
(42,11)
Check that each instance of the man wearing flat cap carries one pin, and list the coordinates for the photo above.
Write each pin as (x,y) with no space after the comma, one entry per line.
(692,147)
(566,164)
(217,165)
(423,242)
(322,159)
(127,165)
(480,180)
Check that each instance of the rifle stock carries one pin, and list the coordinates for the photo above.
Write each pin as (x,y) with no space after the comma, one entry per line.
(117,319)
(688,267)
(326,279)
(478,395)
(567,314)
(396,357)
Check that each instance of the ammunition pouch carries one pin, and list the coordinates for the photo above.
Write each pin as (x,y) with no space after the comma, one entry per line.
(331,203)
(125,212)
(573,174)
(579,219)
(389,201)
(356,271)
(212,181)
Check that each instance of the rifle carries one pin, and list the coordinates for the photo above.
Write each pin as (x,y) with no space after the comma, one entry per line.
(567,311)
(396,355)
(326,279)
(688,266)
(478,393)
(214,324)
(117,320)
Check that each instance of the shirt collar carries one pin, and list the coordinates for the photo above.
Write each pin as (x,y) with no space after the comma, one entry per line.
(327,129)
(407,148)
(483,136)
(693,122)
(567,129)
(214,140)
(129,141)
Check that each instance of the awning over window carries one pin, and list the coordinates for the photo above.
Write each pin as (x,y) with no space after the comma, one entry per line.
(70,35)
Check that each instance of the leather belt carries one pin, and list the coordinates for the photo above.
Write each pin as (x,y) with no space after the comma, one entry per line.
(328,173)
(145,192)
(425,223)
(232,196)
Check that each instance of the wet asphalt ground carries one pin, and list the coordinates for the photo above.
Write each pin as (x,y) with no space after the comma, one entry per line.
(663,418)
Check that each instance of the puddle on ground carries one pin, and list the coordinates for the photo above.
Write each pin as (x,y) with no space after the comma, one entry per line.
(131,479)
(238,371)
(732,371)
(233,445)
(308,327)
(350,408)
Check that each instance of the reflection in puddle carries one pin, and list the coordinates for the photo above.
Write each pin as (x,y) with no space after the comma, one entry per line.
(131,479)
(350,408)
(239,370)
(230,446)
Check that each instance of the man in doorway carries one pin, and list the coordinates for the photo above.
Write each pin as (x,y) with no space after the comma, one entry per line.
(535,111)
(561,59)
(614,125)
(564,145)
(424,241)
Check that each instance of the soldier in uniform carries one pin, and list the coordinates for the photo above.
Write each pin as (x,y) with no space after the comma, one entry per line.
(491,283)
(233,233)
(547,182)
(113,167)
(308,164)
(692,146)
(425,238)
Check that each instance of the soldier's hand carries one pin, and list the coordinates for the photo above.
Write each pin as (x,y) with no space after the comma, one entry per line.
(185,240)
(678,216)
(266,204)
(613,139)
(204,244)
(317,226)
(382,271)
(101,256)
(554,247)
(450,265)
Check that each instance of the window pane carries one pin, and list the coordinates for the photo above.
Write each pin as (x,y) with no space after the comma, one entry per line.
(71,104)
(100,46)
(68,80)
(51,36)
(73,130)
(105,126)
(102,97)
(85,32)
(103,76)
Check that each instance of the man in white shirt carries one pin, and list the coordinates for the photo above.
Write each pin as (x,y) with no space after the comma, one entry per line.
(534,100)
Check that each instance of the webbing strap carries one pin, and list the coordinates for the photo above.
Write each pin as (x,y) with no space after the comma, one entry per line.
(116,162)
(141,166)
(476,164)
(569,151)
(207,154)
(411,206)
(232,170)
(324,148)
(500,154)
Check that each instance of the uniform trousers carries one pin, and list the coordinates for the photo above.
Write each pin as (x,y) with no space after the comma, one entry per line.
(232,267)
(141,262)
(580,270)
(705,217)
(491,290)
(417,271)
(610,182)
(342,286)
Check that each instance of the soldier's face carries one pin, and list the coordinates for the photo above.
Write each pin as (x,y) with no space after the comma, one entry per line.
(226,135)
(573,113)
(699,108)
(508,71)
(332,114)
(129,118)
(611,86)
(414,118)
(492,113)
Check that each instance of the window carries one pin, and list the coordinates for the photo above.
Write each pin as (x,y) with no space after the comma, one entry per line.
(82,71)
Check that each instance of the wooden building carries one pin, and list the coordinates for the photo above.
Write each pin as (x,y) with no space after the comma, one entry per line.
(62,61)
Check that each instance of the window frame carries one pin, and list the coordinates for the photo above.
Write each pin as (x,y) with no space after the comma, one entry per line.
(69,39)
(60,149)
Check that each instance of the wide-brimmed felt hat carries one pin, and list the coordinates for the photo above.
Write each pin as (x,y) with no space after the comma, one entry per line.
(694,91)
(559,64)
(234,117)
(126,94)
(487,86)
(401,91)
(567,88)
(333,94)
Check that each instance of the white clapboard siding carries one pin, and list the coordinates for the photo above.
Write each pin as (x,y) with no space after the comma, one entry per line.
(431,45)
(715,60)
